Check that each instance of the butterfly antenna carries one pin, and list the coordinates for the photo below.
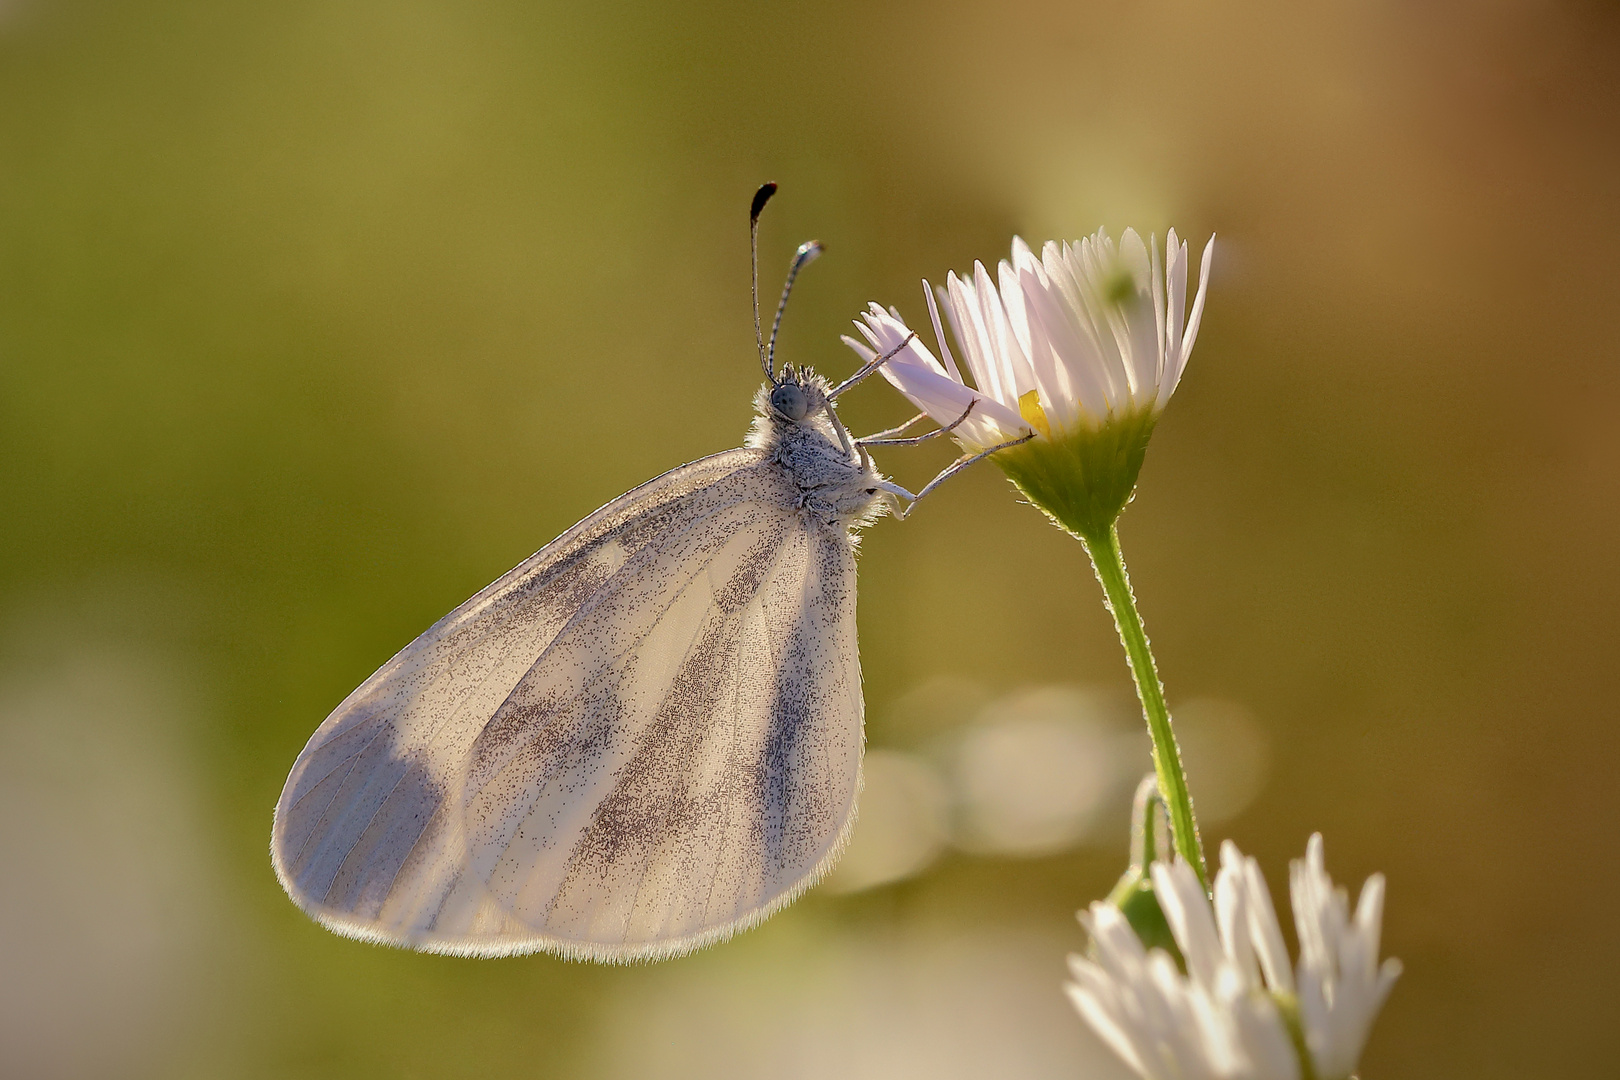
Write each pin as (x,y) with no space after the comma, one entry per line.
(761,197)
(806,255)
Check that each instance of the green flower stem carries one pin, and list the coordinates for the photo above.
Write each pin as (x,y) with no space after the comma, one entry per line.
(1109,562)
(1082,478)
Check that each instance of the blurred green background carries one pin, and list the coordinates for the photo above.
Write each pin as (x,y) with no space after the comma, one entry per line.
(315,317)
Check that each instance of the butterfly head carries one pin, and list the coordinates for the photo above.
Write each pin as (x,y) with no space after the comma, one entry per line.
(795,396)
(796,404)
(790,402)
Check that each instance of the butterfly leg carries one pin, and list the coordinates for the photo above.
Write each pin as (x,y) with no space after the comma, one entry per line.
(951,470)
(888,432)
(843,437)
(878,440)
(871,366)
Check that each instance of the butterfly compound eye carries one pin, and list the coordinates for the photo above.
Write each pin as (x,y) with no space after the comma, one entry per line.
(790,401)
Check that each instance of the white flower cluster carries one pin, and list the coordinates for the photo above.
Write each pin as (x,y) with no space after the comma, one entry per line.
(1236,1013)
(1078,335)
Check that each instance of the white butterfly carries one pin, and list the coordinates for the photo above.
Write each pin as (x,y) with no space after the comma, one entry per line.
(641,740)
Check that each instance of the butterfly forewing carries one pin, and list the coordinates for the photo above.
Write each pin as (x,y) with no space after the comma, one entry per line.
(642,738)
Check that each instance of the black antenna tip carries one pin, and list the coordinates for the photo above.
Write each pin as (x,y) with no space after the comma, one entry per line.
(761,197)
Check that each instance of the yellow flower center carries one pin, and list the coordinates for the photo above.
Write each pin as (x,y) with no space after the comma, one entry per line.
(1029,407)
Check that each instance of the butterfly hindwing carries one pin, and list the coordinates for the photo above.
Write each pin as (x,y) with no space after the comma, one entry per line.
(641,739)
(721,766)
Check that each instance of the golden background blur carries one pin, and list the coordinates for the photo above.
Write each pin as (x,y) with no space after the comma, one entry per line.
(315,317)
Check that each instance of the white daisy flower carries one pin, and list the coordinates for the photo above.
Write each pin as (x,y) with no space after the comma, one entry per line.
(1082,346)
(1239,1012)
(1085,332)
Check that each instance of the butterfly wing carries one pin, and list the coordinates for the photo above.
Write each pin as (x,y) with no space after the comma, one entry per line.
(643,738)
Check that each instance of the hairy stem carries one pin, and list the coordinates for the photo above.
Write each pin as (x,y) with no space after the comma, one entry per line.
(1109,562)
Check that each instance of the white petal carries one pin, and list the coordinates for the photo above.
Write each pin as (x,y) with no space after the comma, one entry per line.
(1370,912)
(1232,915)
(886,331)
(1118,947)
(1388,972)
(1138,320)
(939,333)
(1106,1020)
(1191,919)
(1175,274)
(1191,334)
(1015,317)
(1312,898)
(1262,1038)
(944,400)
(1011,365)
(1266,932)
(1078,376)
(1089,264)
(1159,313)
(1313,1014)
(862,351)
(962,309)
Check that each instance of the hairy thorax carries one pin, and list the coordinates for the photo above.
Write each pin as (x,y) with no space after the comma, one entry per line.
(840,487)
